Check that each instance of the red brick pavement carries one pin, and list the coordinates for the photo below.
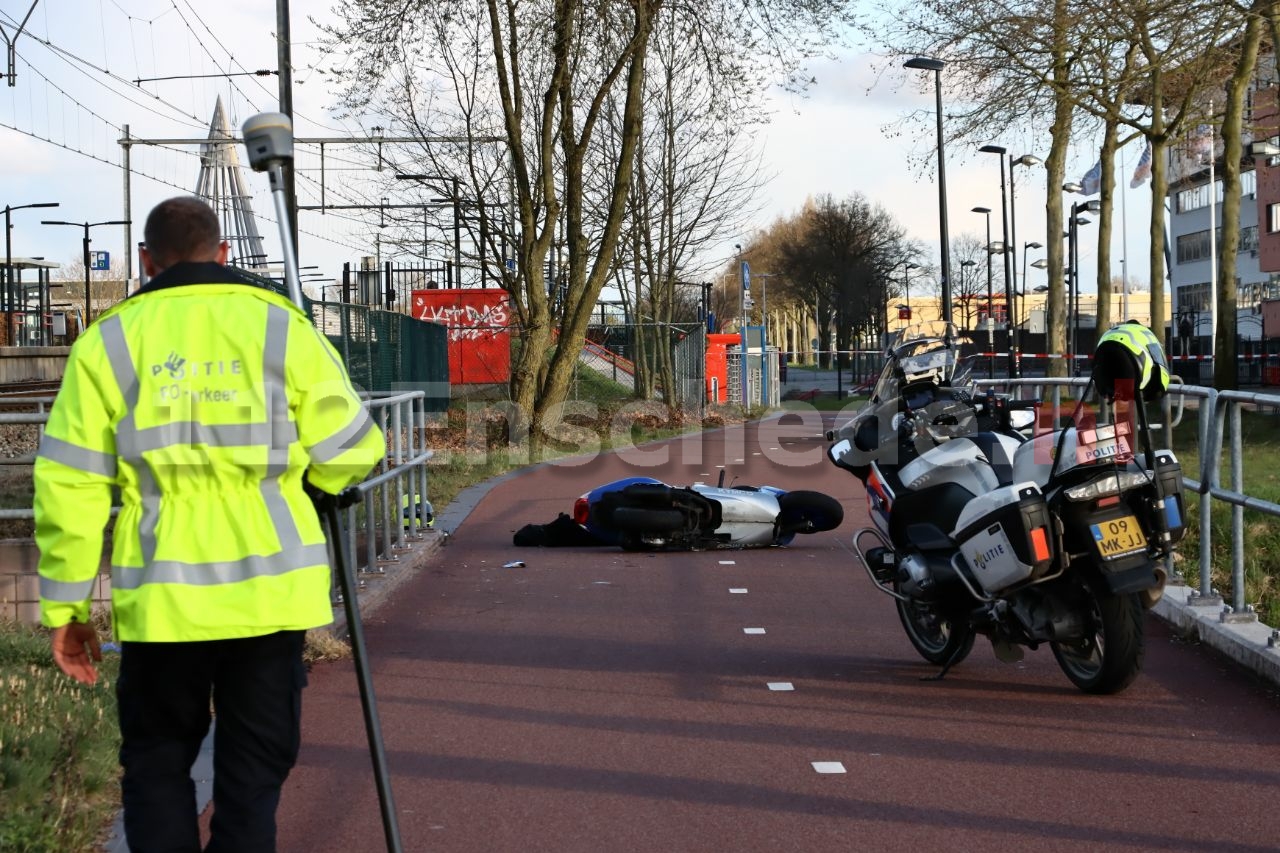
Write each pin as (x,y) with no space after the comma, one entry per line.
(597,700)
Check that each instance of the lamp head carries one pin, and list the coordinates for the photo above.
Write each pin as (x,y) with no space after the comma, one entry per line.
(925,63)
(981,210)
(268,137)
(1072,187)
(1028,160)
(1032,245)
(993,149)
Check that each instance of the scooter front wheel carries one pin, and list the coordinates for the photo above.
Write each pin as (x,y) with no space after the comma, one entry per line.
(808,512)
(939,639)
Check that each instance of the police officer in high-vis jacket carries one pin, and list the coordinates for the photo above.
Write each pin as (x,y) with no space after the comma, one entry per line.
(206,401)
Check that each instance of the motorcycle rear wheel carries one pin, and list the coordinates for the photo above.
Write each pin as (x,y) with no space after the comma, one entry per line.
(938,639)
(1109,658)
(808,512)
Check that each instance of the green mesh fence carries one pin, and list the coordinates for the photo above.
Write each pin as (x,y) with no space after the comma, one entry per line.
(388,351)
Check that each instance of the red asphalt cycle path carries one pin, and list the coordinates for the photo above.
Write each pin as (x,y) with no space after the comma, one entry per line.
(597,700)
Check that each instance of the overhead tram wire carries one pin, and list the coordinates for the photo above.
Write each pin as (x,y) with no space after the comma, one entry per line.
(159,180)
(270,94)
(72,60)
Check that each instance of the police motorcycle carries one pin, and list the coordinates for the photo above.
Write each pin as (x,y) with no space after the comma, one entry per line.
(644,514)
(978,528)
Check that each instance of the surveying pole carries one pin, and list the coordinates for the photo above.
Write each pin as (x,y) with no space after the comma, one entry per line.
(269,140)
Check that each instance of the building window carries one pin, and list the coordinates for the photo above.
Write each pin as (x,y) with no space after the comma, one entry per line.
(1193,198)
(1193,247)
(1249,238)
(1193,297)
(1273,218)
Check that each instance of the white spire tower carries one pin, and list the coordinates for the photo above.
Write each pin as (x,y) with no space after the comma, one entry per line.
(221,183)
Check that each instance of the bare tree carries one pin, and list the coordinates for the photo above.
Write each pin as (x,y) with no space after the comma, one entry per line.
(694,179)
(541,76)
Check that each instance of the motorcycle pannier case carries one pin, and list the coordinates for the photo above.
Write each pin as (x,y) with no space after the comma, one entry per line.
(1005,537)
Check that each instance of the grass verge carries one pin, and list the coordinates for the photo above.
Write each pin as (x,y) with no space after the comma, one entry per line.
(1261,437)
(58,747)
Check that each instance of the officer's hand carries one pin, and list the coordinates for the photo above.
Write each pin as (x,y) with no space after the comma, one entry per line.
(75,648)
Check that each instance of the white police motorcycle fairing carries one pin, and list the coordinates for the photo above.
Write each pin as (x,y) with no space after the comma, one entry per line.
(978,529)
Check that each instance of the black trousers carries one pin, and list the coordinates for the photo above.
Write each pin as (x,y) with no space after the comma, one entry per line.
(164,692)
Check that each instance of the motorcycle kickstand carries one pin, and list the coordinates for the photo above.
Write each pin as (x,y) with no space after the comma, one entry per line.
(946,667)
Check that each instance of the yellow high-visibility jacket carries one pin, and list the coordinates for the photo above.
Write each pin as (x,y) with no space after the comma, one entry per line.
(1148,353)
(204,404)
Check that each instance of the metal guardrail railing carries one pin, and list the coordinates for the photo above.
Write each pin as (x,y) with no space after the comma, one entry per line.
(1223,421)
(394,507)
(387,518)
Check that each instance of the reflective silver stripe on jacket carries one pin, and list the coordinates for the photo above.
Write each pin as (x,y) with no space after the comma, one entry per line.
(283,432)
(177,433)
(75,456)
(221,572)
(66,592)
(127,439)
(344,439)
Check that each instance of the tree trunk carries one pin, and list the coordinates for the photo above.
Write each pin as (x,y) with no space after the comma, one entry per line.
(1107,158)
(1056,172)
(1225,374)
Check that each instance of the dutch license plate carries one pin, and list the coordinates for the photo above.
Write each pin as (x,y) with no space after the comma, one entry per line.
(1118,537)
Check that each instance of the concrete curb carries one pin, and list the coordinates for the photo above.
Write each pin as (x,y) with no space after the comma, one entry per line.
(1243,642)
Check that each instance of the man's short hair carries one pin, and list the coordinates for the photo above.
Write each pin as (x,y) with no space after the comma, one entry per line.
(181,229)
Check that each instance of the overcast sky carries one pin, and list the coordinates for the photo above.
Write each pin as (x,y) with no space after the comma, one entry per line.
(78,94)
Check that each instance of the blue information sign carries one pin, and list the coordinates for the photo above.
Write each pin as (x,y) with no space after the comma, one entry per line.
(99,260)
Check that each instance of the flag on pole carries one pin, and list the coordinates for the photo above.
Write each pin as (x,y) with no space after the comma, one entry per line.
(1091,183)
(1143,169)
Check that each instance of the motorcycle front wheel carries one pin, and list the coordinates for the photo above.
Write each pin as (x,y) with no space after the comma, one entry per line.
(938,639)
(1109,656)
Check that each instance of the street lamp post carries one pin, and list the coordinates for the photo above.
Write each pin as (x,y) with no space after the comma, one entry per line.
(8,296)
(1027,160)
(936,65)
(991,333)
(88,305)
(1008,262)
(1029,245)
(964,279)
(1073,266)
(907,267)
